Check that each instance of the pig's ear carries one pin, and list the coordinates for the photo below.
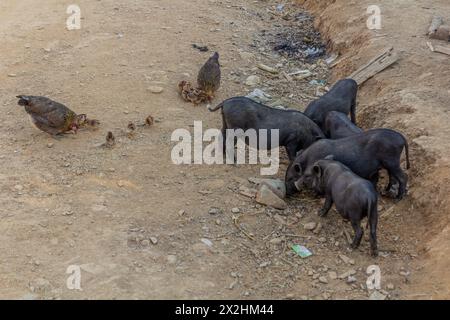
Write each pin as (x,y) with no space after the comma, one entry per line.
(317,170)
(329,157)
(299,152)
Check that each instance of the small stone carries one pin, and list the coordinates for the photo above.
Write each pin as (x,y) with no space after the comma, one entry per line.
(171,259)
(347,274)
(253,80)
(50,145)
(18,187)
(267,197)
(332,275)
(346,259)
(154,240)
(145,242)
(235,210)
(323,279)
(155,89)
(318,229)
(181,213)
(309,226)
(214,211)
(351,279)
(390,286)
(323,239)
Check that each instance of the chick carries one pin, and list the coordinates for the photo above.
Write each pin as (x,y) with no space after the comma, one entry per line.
(208,78)
(110,140)
(194,95)
(50,116)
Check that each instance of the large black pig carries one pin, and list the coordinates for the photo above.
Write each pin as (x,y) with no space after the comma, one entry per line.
(365,154)
(296,131)
(337,125)
(354,197)
(341,97)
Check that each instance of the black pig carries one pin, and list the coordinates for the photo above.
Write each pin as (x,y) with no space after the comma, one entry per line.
(341,97)
(337,125)
(364,153)
(296,131)
(354,197)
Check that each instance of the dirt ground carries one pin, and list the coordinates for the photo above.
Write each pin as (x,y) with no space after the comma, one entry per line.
(134,222)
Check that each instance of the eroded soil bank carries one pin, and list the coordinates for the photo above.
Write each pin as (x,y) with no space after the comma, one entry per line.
(412,96)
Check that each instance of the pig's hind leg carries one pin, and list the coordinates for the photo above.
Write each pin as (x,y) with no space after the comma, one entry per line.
(356,224)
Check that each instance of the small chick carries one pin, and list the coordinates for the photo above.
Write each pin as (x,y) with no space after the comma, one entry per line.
(110,140)
(208,78)
(194,95)
(50,116)
(149,121)
(131,129)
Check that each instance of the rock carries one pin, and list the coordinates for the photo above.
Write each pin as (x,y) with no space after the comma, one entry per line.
(235,210)
(214,211)
(390,286)
(376,295)
(276,185)
(250,193)
(145,242)
(172,259)
(347,274)
(154,240)
(351,279)
(346,259)
(310,226)
(332,275)
(253,80)
(50,145)
(318,229)
(323,239)
(155,89)
(323,279)
(181,213)
(267,197)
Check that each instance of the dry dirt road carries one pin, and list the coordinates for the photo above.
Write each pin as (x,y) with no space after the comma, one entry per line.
(68,202)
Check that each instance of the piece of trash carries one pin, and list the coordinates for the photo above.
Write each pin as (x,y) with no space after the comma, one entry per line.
(331,58)
(302,251)
(259,96)
(280,7)
(207,242)
(200,48)
(318,82)
(267,68)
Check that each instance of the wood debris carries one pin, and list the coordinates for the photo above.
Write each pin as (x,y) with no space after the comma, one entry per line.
(375,66)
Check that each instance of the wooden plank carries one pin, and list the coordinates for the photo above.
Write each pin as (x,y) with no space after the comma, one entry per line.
(442,49)
(375,66)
